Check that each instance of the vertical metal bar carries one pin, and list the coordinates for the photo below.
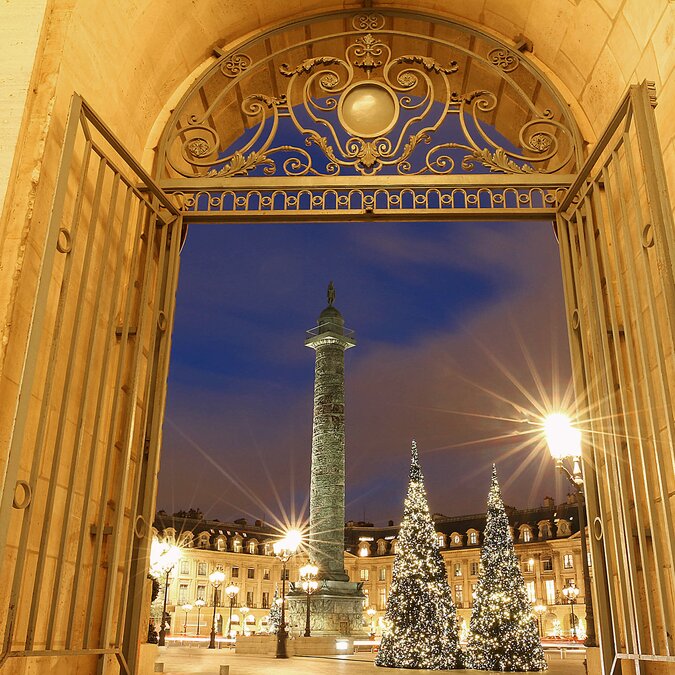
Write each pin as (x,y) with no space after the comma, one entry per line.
(149,465)
(93,455)
(72,352)
(628,484)
(599,396)
(656,186)
(604,604)
(39,446)
(129,432)
(657,399)
(51,599)
(110,442)
(37,320)
(632,339)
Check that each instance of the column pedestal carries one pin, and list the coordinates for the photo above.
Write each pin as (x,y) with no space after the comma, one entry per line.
(336,609)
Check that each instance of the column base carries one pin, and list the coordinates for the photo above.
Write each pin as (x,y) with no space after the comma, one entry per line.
(336,609)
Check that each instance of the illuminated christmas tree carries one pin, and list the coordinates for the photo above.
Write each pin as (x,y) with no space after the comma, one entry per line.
(275,613)
(503,633)
(421,622)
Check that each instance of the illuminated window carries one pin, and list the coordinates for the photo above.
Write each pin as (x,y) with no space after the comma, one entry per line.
(590,562)
(221,546)
(383,573)
(268,549)
(382,599)
(364,575)
(568,561)
(529,566)
(474,568)
(458,570)
(441,540)
(473,537)
(252,547)
(532,596)
(236,546)
(549,585)
(459,594)
(527,535)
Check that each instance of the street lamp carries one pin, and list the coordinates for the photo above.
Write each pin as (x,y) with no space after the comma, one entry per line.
(371,611)
(199,603)
(216,578)
(309,585)
(284,549)
(571,594)
(163,558)
(186,608)
(231,591)
(244,614)
(539,610)
(564,442)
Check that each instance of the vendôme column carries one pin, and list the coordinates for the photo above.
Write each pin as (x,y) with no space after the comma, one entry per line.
(329,340)
(337,605)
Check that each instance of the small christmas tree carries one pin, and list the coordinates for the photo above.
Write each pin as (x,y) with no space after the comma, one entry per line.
(421,622)
(275,613)
(503,634)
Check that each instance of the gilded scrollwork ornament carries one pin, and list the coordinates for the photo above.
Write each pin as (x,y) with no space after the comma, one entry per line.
(366,110)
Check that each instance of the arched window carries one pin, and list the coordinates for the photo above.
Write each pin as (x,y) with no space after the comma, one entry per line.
(440,538)
(236,545)
(473,537)
(221,544)
(253,546)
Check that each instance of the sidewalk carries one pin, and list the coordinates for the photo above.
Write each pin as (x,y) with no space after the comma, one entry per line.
(185,660)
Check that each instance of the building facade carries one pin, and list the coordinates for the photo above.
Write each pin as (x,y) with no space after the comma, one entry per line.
(547,542)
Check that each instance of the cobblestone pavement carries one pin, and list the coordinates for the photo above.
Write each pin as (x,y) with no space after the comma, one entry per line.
(185,660)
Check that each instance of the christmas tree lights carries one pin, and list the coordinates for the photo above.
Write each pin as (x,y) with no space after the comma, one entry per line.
(503,634)
(421,623)
(275,613)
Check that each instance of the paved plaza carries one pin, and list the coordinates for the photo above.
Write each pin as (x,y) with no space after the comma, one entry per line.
(179,660)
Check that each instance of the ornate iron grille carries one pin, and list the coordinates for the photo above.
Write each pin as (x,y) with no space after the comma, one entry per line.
(387,97)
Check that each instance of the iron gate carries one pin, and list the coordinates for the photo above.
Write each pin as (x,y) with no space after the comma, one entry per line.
(76,521)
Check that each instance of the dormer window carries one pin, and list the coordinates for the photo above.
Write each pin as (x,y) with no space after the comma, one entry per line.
(440,538)
(236,545)
(473,537)
(221,544)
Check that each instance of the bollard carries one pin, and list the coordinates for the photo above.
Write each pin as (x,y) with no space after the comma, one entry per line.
(224,670)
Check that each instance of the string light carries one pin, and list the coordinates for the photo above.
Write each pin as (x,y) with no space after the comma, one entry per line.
(503,633)
(420,628)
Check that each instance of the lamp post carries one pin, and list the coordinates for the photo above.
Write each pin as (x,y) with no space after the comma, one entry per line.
(244,613)
(571,594)
(199,603)
(564,442)
(216,578)
(539,610)
(309,585)
(163,558)
(186,608)
(284,549)
(371,611)
(231,591)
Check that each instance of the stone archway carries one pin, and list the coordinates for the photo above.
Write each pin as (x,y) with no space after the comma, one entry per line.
(574,42)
